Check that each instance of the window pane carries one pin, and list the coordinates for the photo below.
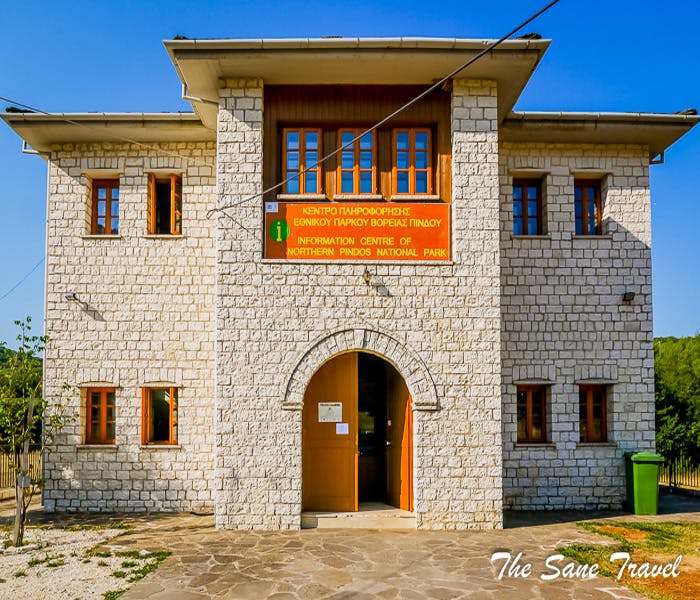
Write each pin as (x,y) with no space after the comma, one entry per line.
(517,226)
(347,182)
(579,227)
(160,415)
(311,160)
(110,431)
(311,183)
(402,140)
(114,223)
(402,160)
(517,208)
(522,416)
(348,160)
(101,193)
(578,194)
(532,208)
(531,192)
(110,413)
(101,208)
(517,192)
(100,225)
(292,140)
(402,182)
(346,137)
(421,160)
(115,208)
(578,210)
(293,185)
(421,141)
(366,141)
(115,193)
(532,228)
(292,161)
(311,140)
(95,431)
(365,160)
(421,182)
(366,182)
(591,209)
(592,227)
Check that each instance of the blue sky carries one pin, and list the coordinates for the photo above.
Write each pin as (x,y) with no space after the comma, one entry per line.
(628,55)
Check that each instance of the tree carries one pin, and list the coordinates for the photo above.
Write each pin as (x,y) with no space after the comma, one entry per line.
(21,413)
(677,390)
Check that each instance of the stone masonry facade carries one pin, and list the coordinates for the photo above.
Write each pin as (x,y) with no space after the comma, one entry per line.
(144,316)
(564,324)
(240,336)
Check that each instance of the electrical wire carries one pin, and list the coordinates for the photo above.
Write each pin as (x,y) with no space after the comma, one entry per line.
(390,116)
(21,281)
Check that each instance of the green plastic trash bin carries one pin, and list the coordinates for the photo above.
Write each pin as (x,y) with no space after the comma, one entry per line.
(642,471)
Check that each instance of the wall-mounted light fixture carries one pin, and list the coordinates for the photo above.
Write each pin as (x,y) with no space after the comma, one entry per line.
(628,296)
(72,297)
(376,283)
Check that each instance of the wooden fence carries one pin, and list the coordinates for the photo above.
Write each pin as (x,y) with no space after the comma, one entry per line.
(7,475)
(680,473)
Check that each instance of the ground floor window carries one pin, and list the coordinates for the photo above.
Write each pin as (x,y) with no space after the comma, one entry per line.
(100,416)
(532,413)
(592,413)
(160,415)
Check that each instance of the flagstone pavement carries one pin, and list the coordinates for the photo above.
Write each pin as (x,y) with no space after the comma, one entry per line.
(359,564)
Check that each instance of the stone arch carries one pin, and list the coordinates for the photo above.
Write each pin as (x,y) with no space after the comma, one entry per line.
(409,365)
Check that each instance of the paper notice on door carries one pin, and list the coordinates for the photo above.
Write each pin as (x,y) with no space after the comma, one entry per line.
(342,429)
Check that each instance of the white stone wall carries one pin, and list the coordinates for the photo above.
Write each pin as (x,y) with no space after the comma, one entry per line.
(277,319)
(146,316)
(564,322)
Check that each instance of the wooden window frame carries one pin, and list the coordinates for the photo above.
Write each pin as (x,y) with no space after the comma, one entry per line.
(412,131)
(103,421)
(303,172)
(529,389)
(146,422)
(586,184)
(356,169)
(175,181)
(110,184)
(588,391)
(525,183)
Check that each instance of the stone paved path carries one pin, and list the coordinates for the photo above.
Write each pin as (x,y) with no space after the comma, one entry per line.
(358,564)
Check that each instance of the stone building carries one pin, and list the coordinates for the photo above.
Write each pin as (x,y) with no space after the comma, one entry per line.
(451,315)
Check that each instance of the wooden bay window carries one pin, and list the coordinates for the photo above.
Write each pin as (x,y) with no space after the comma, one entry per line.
(593,413)
(301,152)
(159,414)
(412,172)
(357,164)
(532,413)
(588,207)
(100,421)
(527,207)
(164,204)
(105,207)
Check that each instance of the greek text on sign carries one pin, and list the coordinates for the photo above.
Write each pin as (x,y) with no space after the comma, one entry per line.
(358,231)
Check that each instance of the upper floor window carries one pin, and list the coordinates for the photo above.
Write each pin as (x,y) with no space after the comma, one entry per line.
(105,207)
(164,204)
(357,164)
(588,207)
(301,151)
(159,413)
(100,421)
(412,169)
(532,413)
(527,207)
(592,413)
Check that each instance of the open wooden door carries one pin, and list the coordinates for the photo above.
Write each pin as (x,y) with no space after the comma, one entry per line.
(399,440)
(329,437)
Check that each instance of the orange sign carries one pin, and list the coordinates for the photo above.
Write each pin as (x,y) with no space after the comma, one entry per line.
(377,231)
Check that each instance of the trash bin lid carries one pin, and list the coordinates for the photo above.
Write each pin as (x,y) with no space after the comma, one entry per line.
(647,457)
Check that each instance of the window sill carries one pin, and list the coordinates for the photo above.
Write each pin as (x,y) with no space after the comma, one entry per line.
(101,236)
(611,445)
(163,236)
(592,237)
(160,446)
(301,197)
(359,197)
(414,197)
(535,445)
(108,447)
(530,237)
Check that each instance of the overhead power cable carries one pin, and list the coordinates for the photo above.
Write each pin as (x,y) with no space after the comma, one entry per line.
(390,116)
(21,281)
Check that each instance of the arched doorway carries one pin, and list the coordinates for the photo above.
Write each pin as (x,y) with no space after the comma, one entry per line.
(356,435)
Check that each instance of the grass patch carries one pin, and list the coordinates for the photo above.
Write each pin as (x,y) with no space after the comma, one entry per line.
(97,527)
(657,544)
(113,594)
(20,574)
(127,564)
(120,574)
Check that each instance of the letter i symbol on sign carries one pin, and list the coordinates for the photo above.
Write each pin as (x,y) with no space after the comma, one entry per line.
(279,230)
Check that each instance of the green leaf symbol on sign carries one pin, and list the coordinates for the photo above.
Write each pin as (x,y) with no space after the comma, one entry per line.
(279,230)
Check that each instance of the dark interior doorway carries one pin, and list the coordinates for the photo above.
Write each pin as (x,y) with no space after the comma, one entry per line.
(372,388)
